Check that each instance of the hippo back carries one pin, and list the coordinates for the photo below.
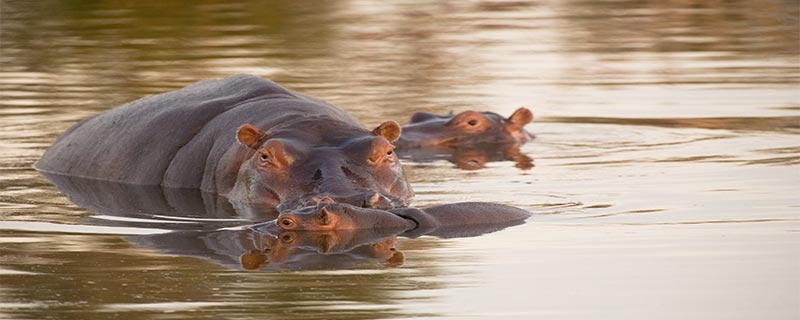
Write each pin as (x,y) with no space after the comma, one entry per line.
(170,139)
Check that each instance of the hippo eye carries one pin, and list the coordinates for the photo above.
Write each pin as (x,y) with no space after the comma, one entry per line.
(287,223)
(264,157)
(473,122)
(389,153)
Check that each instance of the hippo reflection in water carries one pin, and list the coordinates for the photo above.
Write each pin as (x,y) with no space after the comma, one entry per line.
(251,249)
(471,157)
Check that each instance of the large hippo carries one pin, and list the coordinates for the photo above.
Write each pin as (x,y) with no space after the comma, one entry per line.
(465,129)
(242,137)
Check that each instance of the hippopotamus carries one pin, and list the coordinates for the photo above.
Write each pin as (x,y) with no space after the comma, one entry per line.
(337,216)
(242,137)
(467,128)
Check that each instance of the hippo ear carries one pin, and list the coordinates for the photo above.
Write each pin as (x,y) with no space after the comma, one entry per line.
(250,136)
(520,118)
(389,130)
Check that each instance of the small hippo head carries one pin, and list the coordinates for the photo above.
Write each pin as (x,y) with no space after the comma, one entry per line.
(336,216)
(466,128)
(294,169)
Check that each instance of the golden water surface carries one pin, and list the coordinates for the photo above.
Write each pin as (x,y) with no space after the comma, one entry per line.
(665,181)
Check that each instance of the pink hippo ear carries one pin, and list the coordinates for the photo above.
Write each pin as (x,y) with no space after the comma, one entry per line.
(389,130)
(520,118)
(250,136)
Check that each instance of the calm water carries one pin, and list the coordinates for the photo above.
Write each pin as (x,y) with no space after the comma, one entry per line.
(666,169)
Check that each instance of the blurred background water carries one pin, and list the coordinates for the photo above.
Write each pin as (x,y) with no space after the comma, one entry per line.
(666,161)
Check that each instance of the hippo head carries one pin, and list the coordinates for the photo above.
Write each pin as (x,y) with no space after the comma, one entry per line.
(292,170)
(336,216)
(466,128)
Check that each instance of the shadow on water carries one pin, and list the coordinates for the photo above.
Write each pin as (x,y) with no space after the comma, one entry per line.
(211,227)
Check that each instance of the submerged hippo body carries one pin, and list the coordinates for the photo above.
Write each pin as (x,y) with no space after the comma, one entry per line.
(448,217)
(465,129)
(242,137)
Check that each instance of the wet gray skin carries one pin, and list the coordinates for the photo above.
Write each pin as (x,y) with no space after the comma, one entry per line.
(464,129)
(242,137)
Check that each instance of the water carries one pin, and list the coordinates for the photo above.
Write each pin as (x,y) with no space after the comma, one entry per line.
(665,178)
